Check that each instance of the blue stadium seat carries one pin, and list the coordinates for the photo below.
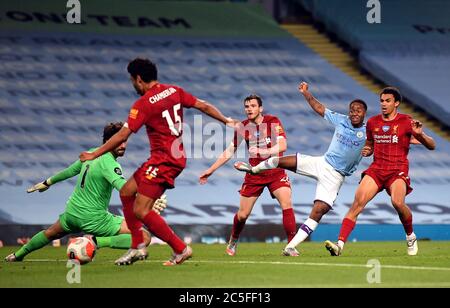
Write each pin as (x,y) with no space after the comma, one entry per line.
(407,49)
(57,91)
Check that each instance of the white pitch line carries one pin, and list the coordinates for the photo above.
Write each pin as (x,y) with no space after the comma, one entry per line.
(322,264)
(420,268)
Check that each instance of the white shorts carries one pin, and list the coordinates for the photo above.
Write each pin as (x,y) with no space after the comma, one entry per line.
(329,180)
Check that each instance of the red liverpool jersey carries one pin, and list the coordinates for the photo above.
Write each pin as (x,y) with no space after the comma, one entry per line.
(262,136)
(160,109)
(391,141)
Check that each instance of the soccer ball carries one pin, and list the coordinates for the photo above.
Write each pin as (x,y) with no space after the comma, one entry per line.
(81,249)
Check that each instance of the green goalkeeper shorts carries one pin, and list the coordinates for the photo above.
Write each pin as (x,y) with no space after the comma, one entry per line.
(105,225)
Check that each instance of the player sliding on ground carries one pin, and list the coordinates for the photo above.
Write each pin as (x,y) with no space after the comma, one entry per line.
(160,110)
(389,135)
(265,137)
(87,208)
(330,170)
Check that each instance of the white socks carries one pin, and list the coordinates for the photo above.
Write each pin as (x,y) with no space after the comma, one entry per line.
(303,232)
(410,237)
(268,164)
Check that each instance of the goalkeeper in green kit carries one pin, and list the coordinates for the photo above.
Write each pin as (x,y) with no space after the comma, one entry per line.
(87,208)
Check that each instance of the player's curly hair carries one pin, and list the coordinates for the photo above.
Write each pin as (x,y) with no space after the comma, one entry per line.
(110,130)
(144,68)
(394,91)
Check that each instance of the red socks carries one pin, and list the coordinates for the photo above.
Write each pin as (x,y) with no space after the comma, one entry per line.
(289,223)
(407,224)
(133,223)
(155,224)
(346,229)
(238,226)
(158,227)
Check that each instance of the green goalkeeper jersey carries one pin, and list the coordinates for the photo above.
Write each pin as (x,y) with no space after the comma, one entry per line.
(96,180)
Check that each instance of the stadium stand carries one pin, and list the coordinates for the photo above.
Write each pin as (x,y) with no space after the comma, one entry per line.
(60,85)
(409,50)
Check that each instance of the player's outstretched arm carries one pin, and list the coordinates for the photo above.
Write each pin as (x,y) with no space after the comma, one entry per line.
(116,140)
(65,174)
(222,160)
(420,135)
(312,101)
(41,186)
(215,113)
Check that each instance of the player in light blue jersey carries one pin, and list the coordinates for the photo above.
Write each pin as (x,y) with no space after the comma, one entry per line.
(340,160)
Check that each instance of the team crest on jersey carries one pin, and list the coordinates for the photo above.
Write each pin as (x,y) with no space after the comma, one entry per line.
(359,134)
(385,128)
(118,171)
(394,129)
(279,129)
(133,113)
(395,139)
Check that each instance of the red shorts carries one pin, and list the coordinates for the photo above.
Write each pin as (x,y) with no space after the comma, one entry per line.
(152,181)
(254,185)
(385,178)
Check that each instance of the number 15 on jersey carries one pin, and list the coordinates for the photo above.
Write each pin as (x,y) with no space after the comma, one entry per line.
(176,126)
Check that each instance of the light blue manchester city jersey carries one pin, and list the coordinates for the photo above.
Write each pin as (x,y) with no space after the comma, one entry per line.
(344,152)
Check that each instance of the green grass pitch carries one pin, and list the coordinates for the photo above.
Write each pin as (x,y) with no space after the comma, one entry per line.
(255,265)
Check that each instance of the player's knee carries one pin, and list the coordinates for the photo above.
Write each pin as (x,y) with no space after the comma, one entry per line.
(51,234)
(356,209)
(397,203)
(359,203)
(243,215)
(139,212)
(124,192)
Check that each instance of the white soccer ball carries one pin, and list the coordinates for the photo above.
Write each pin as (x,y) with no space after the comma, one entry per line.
(81,249)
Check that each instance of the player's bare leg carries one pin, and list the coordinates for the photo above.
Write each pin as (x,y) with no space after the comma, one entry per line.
(398,194)
(55,231)
(319,209)
(245,208)
(285,162)
(284,197)
(288,162)
(38,241)
(366,191)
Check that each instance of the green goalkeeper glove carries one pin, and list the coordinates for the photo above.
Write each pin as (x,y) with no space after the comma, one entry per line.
(41,187)
(160,204)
